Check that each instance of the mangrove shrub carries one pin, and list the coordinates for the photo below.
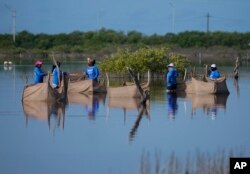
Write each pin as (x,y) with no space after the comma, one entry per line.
(142,60)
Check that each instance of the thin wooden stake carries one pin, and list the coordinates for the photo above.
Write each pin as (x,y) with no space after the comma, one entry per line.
(236,69)
(185,75)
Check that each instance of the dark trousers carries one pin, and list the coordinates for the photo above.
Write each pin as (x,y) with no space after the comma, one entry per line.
(172,87)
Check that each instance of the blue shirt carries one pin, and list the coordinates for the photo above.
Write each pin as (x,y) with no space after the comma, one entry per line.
(171,77)
(38,75)
(55,79)
(92,72)
(214,74)
(171,104)
(93,107)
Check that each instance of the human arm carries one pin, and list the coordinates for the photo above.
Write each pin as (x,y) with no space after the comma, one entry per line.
(39,72)
(96,73)
(85,72)
(38,75)
(169,76)
(55,79)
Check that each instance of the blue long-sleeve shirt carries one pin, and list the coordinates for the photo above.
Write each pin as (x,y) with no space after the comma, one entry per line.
(214,74)
(171,103)
(92,72)
(55,79)
(38,75)
(171,77)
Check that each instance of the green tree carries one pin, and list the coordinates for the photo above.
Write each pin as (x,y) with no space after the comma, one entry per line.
(25,39)
(142,60)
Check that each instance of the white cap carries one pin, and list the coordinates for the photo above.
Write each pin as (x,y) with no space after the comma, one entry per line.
(213,66)
(171,65)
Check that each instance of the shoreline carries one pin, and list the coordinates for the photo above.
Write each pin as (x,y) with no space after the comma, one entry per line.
(219,55)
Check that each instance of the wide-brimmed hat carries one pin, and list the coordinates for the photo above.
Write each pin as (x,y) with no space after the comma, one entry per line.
(38,62)
(171,65)
(213,66)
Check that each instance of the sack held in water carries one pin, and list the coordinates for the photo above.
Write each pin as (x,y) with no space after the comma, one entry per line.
(44,91)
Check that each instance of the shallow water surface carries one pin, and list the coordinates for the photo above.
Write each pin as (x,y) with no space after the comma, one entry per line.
(97,134)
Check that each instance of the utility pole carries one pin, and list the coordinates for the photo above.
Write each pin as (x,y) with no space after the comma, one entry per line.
(208,16)
(13,14)
(14,25)
(173,16)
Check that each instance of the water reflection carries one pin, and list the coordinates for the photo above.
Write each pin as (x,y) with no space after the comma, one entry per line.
(7,67)
(131,104)
(90,102)
(144,110)
(209,103)
(124,103)
(172,105)
(236,86)
(45,111)
(200,162)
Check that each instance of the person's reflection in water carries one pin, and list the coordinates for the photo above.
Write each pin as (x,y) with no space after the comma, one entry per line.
(171,105)
(213,112)
(92,107)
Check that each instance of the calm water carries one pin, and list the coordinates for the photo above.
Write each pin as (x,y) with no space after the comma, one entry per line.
(95,134)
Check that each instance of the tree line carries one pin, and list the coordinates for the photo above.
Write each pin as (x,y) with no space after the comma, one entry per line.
(106,39)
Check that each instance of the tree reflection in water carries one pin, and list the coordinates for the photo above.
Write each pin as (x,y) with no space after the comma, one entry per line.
(131,104)
(236,86)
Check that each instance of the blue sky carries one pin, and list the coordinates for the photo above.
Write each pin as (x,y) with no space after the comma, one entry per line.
(145,16)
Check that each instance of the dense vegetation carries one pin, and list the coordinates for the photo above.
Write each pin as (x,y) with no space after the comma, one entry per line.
(104,40)
(142,60)
(134,49)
